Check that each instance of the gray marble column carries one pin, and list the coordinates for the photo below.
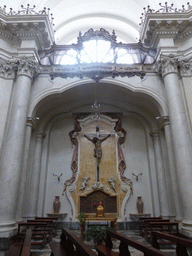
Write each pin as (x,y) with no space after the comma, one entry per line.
(164,211)
(34,186)
(22,200)
(165,123)
(11,162)
(181,136)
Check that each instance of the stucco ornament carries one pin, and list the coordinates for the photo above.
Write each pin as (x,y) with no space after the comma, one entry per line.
(84,183)
(112,183)
(167,64)
(98,185)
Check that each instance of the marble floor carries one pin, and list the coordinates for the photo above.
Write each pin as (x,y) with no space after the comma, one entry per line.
(130,233)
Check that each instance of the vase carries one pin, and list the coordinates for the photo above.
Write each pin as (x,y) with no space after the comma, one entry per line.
(139,204)
(56,204)
(100,210)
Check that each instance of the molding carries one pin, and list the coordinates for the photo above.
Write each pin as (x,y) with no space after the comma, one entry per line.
(165,22)
(27,24)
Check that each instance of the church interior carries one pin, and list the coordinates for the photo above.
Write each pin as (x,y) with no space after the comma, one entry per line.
(95,111)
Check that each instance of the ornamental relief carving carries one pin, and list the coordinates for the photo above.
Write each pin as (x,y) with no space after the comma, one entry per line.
(7,69)
(23,65)
(166,64)
(174,64)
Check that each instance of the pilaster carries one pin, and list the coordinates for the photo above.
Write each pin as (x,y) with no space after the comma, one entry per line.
(171,173)
(35,177)
(160,174)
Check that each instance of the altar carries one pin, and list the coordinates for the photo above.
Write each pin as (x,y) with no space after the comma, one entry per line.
(108,218)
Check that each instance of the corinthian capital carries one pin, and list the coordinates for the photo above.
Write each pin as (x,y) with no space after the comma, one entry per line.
(167,64)
(185,65)
(7,69)
(26,66)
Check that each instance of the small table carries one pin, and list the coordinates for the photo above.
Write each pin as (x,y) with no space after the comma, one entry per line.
(60,216)
(135,216)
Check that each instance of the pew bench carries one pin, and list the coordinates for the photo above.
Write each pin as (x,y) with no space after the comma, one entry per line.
(56,249)
(147,226)
(54,223)
(125,242)
(181,243)
(167,227)
(22,248)
(70,245)
(49,229)
(39,235)
(142,223)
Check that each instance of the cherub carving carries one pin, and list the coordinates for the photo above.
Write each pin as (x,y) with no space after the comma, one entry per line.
(84,183)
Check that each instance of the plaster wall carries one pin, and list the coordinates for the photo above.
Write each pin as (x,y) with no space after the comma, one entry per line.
(56,160)
(136,151)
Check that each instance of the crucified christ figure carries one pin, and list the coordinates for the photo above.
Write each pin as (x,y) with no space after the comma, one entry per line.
(97,150)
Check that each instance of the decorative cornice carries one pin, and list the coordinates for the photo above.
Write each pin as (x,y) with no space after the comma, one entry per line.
(167,21)
(31,122)
(155,134)
(166,65)
(98,71)
(163,121)
(26,24)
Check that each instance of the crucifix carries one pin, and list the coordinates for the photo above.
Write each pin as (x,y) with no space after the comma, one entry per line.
(97,150)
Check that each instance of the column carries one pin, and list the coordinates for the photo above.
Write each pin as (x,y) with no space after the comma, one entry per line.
(22,200)
(160,174)
(172,168)
(35,177)
(181,136)
(11,162)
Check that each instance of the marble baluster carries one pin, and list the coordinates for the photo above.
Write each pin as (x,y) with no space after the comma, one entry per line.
(164,211)
(35,177)
(182,141)
(11,162)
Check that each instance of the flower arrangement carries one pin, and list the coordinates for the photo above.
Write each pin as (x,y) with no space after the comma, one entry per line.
(97,204)
(82,218)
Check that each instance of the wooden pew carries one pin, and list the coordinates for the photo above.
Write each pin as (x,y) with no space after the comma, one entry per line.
(70,245)
(38,238)
(147,227)
(125,242)
(180,242)
(168,227)
(49,229)
(142,223)
(21,249)
(54,224)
